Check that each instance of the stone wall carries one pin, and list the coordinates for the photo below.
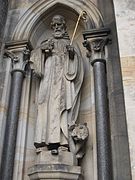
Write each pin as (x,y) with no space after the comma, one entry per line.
(125,19)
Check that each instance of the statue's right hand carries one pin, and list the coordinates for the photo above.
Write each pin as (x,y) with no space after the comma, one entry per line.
(47,46)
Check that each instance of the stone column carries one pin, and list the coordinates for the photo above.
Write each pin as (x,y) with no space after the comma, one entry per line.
(95,42)
(19,55)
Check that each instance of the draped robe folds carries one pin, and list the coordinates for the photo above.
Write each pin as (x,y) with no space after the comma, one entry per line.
(59,93)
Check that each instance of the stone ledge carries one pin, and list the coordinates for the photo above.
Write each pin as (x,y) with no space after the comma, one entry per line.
(54,171)
(64,157)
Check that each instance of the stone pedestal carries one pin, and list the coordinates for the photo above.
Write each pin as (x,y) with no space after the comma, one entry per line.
(57,167)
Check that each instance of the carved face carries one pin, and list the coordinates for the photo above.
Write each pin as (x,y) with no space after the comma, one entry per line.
(58,25)
(80,132)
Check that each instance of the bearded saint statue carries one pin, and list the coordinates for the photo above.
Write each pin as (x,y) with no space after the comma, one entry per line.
(60,67)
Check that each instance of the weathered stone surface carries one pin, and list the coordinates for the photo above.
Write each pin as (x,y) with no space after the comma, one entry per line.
(128,72)
(48,166)
(55,172)
(60,68)
(125,19)
(64,157)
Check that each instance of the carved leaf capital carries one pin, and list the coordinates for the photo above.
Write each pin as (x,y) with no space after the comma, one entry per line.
(98,45)
(20,60)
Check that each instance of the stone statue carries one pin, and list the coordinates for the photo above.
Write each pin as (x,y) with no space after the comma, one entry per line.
(60,67)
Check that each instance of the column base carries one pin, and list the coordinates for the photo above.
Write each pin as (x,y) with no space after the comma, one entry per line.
(55,167)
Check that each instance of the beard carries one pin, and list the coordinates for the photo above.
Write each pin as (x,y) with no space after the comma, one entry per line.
(58,34)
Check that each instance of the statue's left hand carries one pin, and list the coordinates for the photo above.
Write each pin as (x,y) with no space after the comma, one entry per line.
(71,51)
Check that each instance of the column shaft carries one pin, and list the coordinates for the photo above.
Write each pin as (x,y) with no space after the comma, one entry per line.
(102,121)
(11,126)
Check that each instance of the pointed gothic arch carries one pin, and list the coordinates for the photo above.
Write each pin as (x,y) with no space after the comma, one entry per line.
(40,12)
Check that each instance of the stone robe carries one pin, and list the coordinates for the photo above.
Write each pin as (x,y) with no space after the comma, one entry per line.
(59,93)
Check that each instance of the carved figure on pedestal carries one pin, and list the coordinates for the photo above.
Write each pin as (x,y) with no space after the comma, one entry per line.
(60,67)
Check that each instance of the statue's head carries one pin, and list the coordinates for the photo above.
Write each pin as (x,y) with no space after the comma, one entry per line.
(58,24)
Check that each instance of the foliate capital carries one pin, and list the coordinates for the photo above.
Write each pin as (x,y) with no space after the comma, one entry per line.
(95,42)
(98,44)
(19,53)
